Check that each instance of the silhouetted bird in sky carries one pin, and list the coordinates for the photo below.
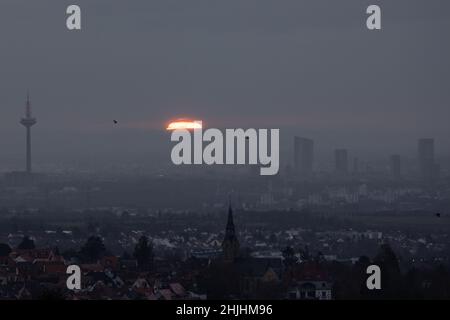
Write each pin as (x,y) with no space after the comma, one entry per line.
(115,122)
(438,215)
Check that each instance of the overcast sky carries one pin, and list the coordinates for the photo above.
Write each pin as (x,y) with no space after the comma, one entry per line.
(308,67)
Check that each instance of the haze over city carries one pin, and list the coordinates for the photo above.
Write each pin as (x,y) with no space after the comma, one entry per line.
(98,203)
(308,68)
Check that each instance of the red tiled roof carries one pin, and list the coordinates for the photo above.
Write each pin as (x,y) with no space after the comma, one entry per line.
(177,289)
(91,267)
(166,293)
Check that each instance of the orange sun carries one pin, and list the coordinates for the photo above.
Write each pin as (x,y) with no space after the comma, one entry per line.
(184,124)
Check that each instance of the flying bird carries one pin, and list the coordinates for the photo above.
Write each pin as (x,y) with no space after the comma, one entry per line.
(115,121)
(438,215)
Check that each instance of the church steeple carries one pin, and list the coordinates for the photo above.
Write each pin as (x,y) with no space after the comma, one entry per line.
(230,244)
(230,230)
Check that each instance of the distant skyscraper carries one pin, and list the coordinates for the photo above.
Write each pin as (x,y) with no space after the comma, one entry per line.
(355,165)
(427,166)
(303,155)
(230,244)
(395,166)
(28,121)
(341,161)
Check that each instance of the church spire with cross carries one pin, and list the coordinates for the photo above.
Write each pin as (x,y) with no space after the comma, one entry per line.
(230,244)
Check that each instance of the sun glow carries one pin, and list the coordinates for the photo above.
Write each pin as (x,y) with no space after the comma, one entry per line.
(184,124)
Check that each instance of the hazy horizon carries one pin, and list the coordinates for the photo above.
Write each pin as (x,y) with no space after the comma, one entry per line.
(310,68)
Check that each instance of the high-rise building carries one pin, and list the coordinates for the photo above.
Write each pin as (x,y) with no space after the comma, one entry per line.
(303,155)
(395,166)
(230,244)
(28,121)
(355,165)
(341,161)
(427,166)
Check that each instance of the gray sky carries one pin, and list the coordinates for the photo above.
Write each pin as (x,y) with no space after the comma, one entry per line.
(308,67)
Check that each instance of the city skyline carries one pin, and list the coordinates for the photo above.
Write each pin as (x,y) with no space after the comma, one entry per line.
(244,151)
(311,69)
(303,152)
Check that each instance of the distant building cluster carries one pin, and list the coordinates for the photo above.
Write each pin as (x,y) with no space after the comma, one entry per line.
(427,167)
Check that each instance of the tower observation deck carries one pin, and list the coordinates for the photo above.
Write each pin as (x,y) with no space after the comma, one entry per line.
(28,121)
